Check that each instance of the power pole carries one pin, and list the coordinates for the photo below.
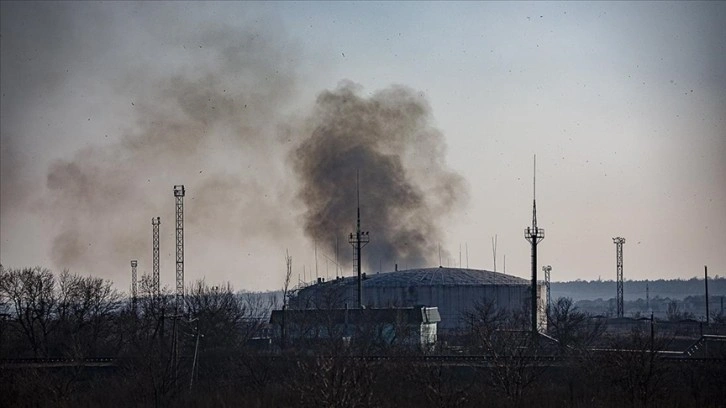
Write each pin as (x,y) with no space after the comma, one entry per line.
(705,272)
(155,222)
(179,196)
(494,251)
(647,297)
(134,264)
(534,236)
(619,241)
(359,240)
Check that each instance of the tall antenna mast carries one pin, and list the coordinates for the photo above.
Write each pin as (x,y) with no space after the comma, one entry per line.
(179,196)
(155,222)
(534,236)
(337,264)
(358,241)
(134,263)
(494,251)
(619,241)
(467,255)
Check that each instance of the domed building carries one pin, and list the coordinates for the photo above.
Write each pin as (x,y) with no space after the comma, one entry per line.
(453,290)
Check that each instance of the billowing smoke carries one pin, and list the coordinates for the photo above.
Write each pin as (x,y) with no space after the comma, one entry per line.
(406,188)
(119,114)
(200,107)
(199,129)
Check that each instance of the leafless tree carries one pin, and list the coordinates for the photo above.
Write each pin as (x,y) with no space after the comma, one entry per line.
(86,310)
(675,314)
(441,385)
(30,292)
(574,330)
(635,367)
(514,355)
(340,380)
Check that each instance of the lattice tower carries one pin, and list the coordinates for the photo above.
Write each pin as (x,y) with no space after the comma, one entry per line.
(134,293)
(179,205)
(619,241)
(155,222)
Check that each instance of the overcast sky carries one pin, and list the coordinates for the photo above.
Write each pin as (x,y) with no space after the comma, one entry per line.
(105,106)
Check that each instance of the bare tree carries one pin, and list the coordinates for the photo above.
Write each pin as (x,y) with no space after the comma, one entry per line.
(570,327)
(30,293)
(635,367)
(514,355)
(339,380)
(86,310)
(441,385)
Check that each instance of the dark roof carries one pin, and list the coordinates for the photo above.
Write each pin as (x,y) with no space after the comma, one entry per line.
(441,276)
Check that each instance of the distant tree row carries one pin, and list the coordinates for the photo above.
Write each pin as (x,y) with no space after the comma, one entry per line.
(634,289)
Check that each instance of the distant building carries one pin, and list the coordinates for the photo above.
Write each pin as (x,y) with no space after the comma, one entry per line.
(311,328)
(453,291)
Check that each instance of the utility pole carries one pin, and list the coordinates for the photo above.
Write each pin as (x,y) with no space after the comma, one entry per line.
(494,251)
(179,198)
(285,296)
(647,297)
(619,241)
(194,361)
(359,240)
(705,272)
(534,235)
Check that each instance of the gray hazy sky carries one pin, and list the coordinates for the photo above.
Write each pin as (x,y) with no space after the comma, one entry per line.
(105,106)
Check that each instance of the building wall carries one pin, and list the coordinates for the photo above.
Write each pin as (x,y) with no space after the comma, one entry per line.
(452,300)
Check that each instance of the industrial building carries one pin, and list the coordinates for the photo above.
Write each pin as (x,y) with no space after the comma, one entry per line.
(453,291)
(407,326)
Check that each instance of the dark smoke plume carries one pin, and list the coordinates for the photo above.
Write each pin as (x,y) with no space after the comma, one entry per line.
(407,190)
(207,120)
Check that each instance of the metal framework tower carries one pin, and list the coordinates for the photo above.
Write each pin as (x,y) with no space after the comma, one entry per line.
(705,281)
(547,269)
(534,236)
(134,264)
(155,222)
(358,240)
(179,198)
(619,259)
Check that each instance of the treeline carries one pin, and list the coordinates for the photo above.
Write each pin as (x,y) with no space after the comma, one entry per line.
(636,289)
(215,354)
(689,308)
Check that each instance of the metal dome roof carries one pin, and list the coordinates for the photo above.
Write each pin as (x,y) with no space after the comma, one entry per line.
(437,277)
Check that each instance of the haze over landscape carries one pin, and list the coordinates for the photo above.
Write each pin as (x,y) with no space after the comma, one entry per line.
(266,111)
